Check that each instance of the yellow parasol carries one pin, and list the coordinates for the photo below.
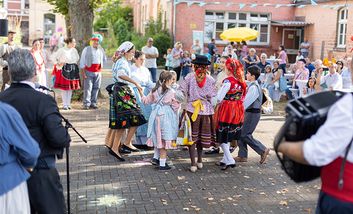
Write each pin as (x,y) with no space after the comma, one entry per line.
(239,34)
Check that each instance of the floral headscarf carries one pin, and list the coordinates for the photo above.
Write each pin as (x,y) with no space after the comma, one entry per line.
(236,69)
(123,48)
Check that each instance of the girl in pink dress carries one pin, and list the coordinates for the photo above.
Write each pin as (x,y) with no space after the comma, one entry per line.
(40,63)
(163,122)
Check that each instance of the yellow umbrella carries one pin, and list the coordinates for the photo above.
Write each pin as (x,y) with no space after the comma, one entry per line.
(239,34)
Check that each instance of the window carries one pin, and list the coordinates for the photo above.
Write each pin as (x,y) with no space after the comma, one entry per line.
(217,22)
(342,27)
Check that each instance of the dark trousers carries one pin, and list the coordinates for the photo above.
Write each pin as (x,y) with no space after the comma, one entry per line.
(283,67)
(250,122)
(46,192)
(5,78)
(330,205)
(178,71)
(153,74)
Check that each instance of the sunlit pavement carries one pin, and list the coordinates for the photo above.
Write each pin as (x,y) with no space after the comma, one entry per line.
(101,184)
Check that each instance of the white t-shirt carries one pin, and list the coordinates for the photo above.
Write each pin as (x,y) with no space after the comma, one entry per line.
(150,63)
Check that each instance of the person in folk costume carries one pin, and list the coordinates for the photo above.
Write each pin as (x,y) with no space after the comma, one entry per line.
(199,88)
(230,116)
(66,71)
(40,63)
(327,149)
(252,106)
(92,59)
(5,50)
(142,75)
(124,113)
(161,132)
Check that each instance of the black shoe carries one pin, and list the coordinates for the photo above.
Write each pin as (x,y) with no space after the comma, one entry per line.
(220,163)
(124,150)
(166,167)
(116,156)
(212,151)
(86,107)
(93,107)
(130,149)
(154,161)
(225,167)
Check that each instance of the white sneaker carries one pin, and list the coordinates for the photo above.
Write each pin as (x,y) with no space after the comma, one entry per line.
(193,168)
(199,165)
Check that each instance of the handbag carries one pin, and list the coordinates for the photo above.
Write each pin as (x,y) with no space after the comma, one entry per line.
(184,135)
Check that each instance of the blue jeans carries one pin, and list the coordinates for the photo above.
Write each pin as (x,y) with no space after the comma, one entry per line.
(91,86)
(153,74)
(328,204)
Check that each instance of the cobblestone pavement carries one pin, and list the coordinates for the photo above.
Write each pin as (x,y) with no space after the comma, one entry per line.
(101,184)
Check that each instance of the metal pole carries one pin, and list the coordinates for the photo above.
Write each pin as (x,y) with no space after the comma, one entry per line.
(68,180)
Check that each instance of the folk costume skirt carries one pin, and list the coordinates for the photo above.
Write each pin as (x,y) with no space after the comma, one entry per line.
(67,78)
(230,120)
(202,130)
(124,112)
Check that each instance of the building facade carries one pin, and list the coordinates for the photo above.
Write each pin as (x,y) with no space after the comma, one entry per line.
(35,19)
(279,22)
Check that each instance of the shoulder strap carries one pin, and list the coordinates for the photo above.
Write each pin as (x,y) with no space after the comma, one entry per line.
(340,178)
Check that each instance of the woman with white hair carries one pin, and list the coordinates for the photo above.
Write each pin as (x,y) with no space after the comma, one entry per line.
(251,59)
(124,113)
(263,62)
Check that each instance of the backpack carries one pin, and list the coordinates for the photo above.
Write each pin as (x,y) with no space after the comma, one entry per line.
(267,104)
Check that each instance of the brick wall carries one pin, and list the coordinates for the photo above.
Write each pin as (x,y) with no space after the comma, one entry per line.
(325,29)
(192,18)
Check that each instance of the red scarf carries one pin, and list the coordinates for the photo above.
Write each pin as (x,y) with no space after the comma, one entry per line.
(199,71)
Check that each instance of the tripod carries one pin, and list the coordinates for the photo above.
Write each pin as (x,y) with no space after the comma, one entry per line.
(67,126)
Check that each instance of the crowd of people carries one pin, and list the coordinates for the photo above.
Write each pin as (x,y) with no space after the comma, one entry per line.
(220,98)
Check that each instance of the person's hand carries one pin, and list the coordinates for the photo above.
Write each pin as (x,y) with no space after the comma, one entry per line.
(84,75)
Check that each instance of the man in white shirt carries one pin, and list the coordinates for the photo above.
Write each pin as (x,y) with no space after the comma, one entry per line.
(326,149)
(332,80)
(252,106)
(5,51)
(151,54)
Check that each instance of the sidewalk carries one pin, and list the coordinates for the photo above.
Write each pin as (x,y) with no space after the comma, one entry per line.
(101,184)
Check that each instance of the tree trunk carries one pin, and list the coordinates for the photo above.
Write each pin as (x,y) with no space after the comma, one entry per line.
(81,22)
(68,25)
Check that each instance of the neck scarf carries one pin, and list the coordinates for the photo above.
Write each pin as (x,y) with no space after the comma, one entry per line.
(199,69)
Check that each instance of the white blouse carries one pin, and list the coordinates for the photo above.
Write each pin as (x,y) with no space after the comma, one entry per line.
(142,75)
(65,55)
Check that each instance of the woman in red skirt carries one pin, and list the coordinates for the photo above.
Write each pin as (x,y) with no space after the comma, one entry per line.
(230,116)
(66,71)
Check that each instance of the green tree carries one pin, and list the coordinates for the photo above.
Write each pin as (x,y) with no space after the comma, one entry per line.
(79,17)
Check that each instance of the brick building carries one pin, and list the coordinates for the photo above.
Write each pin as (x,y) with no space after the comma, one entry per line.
(36,19)
(279,22)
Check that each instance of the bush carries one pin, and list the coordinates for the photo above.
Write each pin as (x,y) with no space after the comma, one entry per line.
(162,41)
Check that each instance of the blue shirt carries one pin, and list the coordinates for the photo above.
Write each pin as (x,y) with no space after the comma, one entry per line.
(18,150)
(310,67)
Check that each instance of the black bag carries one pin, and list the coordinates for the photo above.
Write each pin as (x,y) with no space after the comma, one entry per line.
(304,118)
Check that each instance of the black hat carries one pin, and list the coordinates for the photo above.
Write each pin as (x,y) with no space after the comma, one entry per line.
(303,60)
(200,60)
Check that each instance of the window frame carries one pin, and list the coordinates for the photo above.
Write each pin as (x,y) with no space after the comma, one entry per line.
(259,20)
(342,23)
